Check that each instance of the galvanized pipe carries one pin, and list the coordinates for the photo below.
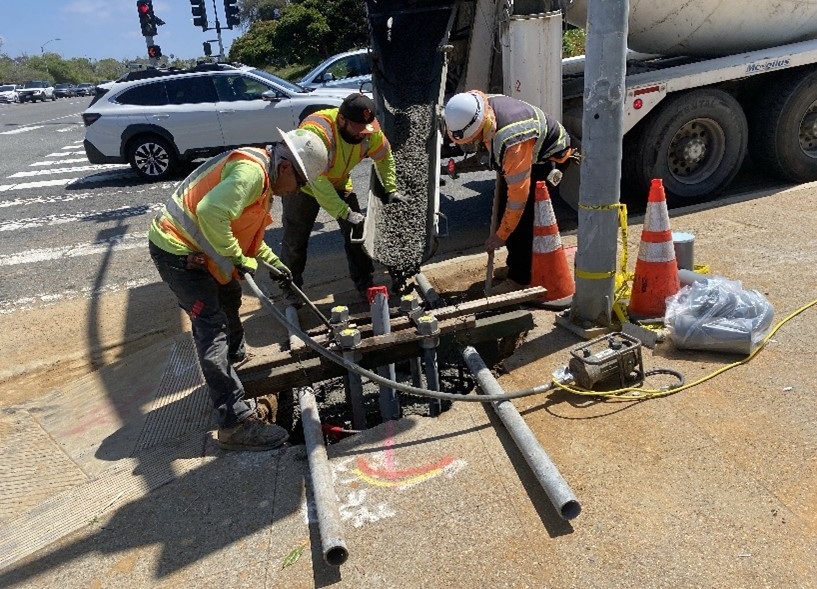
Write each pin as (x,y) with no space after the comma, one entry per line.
(427,291)
(381,324)
(557,489)
(349,339)
(333,544)
(291,314)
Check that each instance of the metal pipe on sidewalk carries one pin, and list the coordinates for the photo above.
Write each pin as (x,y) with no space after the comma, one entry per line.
(557,489)
(333,544)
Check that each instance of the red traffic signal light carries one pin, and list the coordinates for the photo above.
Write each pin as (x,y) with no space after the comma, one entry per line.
(154,51)
(147,20)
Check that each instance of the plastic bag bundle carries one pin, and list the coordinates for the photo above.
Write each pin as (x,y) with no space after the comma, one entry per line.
(718,315)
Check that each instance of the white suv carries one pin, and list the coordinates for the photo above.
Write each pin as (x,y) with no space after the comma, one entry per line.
(156,119)
(35,90)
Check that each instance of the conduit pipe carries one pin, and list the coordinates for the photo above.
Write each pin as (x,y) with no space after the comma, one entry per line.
(427,291)
(373,376)
(381,324)
(557,489)
(333,544)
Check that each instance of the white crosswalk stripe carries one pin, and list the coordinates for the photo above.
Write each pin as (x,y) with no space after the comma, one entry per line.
(92,248)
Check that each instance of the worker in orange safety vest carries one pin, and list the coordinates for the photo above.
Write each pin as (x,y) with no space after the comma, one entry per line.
(207,237)
(525,145)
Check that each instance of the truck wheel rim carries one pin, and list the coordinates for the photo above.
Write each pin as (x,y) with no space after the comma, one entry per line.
(152,159)
(808,131)
(696,151)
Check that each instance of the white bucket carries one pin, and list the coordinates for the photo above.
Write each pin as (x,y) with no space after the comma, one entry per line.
(684,251)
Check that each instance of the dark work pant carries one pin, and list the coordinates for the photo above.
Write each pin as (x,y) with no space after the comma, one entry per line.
(217,330)
(520,241)
(298,219)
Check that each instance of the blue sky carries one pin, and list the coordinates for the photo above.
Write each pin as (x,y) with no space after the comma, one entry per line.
(97,29)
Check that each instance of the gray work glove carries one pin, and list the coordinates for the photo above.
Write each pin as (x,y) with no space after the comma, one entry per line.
(355,218)
(247,266)
(280,273)
(392,198)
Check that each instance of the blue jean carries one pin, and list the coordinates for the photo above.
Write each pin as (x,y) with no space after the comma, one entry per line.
(217,330)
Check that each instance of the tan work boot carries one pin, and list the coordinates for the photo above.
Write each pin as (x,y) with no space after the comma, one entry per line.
(252,435)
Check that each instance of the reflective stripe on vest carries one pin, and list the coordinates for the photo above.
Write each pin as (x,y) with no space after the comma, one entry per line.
(517,121)
(338,170)
(179,213)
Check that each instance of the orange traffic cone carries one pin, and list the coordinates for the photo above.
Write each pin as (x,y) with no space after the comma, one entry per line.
(656,271)
(549,264)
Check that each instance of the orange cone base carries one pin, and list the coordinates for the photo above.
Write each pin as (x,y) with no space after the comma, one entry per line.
(552,272)
(653,283)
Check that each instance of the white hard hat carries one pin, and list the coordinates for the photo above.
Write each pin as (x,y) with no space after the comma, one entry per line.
(464,115)
(308,151)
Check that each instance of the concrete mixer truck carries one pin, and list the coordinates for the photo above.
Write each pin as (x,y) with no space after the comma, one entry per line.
(708,82)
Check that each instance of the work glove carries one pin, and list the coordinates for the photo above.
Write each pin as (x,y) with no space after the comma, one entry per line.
(247,266)
(392,198)
(355,218)
(281,274)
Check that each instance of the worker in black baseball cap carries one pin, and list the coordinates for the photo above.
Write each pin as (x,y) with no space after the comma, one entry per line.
(359,109)
(351,134)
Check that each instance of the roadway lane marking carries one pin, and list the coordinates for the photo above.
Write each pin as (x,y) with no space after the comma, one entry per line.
(77,160)
(91,168)
(21,130)
(113,175)
(128,241)
(66,154)
(96,216)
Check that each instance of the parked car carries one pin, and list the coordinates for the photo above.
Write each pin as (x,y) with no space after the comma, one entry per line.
(155,119)
(85,89)
(64,91)
(34,90)
(344,70)
(8,93)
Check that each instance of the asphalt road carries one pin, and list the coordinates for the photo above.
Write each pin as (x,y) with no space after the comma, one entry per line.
(69,229)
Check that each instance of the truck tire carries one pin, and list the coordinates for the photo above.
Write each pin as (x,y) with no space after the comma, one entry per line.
(152,157)
(784,128)
(695,142)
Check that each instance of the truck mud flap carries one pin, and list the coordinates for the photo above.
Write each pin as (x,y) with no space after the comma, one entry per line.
(408,78)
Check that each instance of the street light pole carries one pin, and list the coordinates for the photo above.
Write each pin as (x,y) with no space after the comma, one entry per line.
(42,47)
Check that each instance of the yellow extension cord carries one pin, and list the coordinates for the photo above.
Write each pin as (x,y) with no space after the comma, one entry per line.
(639,394)
(623,278)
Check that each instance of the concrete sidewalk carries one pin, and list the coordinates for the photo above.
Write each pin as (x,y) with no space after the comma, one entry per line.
(113,480)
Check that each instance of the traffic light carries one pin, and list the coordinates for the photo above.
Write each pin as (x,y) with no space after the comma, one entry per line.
(199,13)
(147,20)
(154,51)
(231,12)
(208,51)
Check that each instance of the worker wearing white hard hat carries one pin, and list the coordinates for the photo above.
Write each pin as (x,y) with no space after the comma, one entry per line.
(205,239)
(518,137)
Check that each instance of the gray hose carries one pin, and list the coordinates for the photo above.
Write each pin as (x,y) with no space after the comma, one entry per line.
(374,377)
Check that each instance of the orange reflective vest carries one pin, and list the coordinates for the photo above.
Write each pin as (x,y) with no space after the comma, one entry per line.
(523,136)
(178,219)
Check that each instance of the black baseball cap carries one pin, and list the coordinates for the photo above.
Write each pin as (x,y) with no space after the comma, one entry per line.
(359,108)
